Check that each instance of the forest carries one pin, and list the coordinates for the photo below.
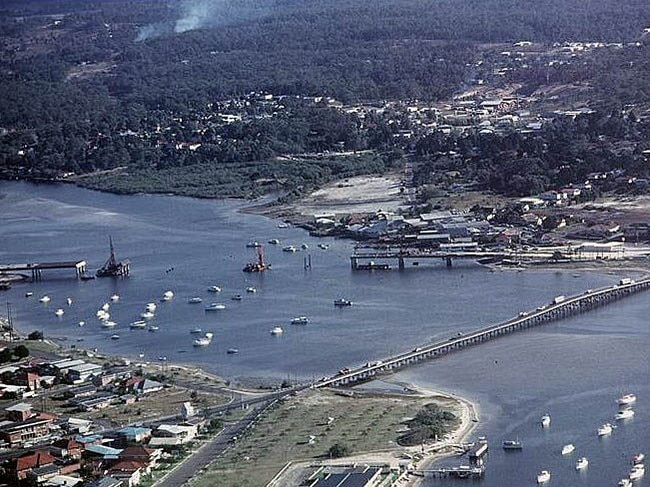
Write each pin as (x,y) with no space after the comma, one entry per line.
(79,75)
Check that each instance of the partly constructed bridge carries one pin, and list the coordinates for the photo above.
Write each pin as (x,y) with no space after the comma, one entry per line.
(560,308)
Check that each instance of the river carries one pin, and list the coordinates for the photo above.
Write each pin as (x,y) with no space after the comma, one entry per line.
(572,369)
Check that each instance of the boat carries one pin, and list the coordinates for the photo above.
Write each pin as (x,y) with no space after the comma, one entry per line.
(215,307)
(112,267)
(638,458)
(204,341)
(138,324)
(274,241)
(109,324)
(546,421)
(605,430)
(196,331)
(167,296)
(323,246)
(566,449)
(147,315)
(253,245)
(29,294)
(342,302)
(626,400)
(86,277)
(512,445)
(637,472)
(232,351)
(195,300)
(115,298)
(260,265)
(304,246)
(153,328)
(251,290)
(59,312)
(277,331)
(45,299)
(625,483)
(283,225)
(300,320)
(237,297)
(104,317)
(115,337)
(582,463)
(624,414)
(81,323)
(543,477)
(106,306)
(214,289)
(68,301)
(151,307)
(289,248)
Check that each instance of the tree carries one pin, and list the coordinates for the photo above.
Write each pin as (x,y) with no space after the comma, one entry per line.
(35,335)
(5,356)
(338,450)
(21,351)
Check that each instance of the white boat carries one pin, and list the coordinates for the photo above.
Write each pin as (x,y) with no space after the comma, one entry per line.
(151,307)
(81,323)
(545,420)
(300,320)
(289,248)
(204,341)
(214,289)
(153,328)
(323,246)
(251,290)
(236,297)
(637,472)
(167,296)
(582,463)
(215,307)
(277,331)
(566,449)
(624,414)
(232,351)
(543,477)
(283,225)
(106,306)
(638,458)
(195,300)
(115,337)
(29,294)
(274,241)
(342,302)
(69,301)
(304,246)
(45,299)
(109,324)
(625,483)
(147,315)
(59,312)
(115,298)
(253,245)
(626,399)
(196,331)
(605,430)
(105,317)
(138,324)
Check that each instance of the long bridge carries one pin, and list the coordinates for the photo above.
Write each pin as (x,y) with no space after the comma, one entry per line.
(37,269)
(560,308)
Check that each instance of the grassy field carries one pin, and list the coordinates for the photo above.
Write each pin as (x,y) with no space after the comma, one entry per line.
(363,423)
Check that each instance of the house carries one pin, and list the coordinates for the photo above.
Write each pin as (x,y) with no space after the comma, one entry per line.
(167,435)
(40,475)
(94,403)
(107,481)
(19,467)
(132,434)
(19,412)
(101,451)
(82,372)
(76,425)
(147,386)
(63,481)
(32,429)
(129,471)
(146,456)
(66,448)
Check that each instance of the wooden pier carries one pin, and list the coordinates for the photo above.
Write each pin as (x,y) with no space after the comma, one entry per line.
(460,472)
(36,269)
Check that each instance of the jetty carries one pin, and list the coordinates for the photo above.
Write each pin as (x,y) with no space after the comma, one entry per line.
(36,268)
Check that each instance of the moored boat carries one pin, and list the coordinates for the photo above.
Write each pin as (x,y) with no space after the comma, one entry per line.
(153,328)
(151,307)
(638,458)
(59,312)
(237,297)
(625,483)
(341,302)
(545,421)
(115,337)
(138,324)
(215,307)
(147,315)
(637,472)
(289,248)
(300,320)
(109,324)
(512,445)
(214,289)
(232,351)
(204,341)
(626,399)
(277,331)
(251,290)
(624,414)
(115,298)
(605,430)
(45,299)
(543,477)
(566,449)
(274,241)
(106,306)
(68,301)
(167,296)
(582,463)
(196,331)
(195,300)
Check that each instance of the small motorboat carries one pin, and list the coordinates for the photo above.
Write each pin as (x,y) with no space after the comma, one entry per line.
(304,246)
(106,307)
(115,298)
(626,400)
(109,324)
(289,248)
(323,246)
(81,323)
(115,337)
(625,483)
(582,463)
(638,458)
(253,245)
(566,449)
(138,324)
(237,297)
(215,307)
(300,320)
(68,301)
(605,430)
(637,472)
(104,317)
(624,414)
(147,315)
(196,331)
(29,294)
(545,421)
(543,477)
(341,302)
(151,307)
(153,328)
(274,241)
(195,300)
(214,289)
(59,312)
(512,445)
(277,331)
(204,341)
(283,225)
(232,351)
(251,290)
(167,296)
(45,299)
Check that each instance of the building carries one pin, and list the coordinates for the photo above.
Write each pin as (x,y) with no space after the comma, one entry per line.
(19,467)
(83,372)
(32,429)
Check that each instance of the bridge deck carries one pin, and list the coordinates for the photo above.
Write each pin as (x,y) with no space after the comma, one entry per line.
(75,264)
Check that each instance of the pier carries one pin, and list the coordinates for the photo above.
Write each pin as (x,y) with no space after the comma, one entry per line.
(460,472)
(557,310)
(36,269)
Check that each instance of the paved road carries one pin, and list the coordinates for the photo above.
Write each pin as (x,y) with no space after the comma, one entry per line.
(208,452)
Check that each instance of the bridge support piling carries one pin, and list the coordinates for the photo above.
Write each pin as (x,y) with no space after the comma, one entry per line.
(400,263)
(448,260)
